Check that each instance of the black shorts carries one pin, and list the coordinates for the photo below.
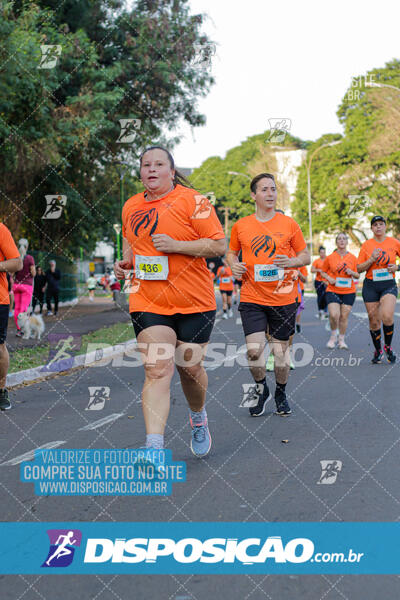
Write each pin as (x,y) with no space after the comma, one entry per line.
(374,290)
(4,310)
(195,327)
(278,321)
(347,299)
(238,282)
(228,293)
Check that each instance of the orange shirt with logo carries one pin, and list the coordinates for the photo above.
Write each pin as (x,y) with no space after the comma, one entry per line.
(184,215)
(8,250)
(390,248)
(335,266)
(225,279)
(317,264)
(260,242)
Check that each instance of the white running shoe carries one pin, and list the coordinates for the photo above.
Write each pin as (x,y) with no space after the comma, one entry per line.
(342,344)
(224,316)
(230,313)
(332,341)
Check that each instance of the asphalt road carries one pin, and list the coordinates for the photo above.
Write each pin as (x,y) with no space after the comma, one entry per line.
(264,469)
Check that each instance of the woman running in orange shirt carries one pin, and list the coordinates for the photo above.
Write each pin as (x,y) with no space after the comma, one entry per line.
(339,269)
(226,288)
(378,258)
(168,231)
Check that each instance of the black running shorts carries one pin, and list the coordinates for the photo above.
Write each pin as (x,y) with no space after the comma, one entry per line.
(238,282)
(347,299)
(227,292)
(374,290)
(4,309)
(278,321)
(194,328)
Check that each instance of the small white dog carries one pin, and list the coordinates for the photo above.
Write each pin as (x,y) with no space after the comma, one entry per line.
(31,326)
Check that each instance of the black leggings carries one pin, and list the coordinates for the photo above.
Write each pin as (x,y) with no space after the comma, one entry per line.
(38,297)
(320,286)
(49,295)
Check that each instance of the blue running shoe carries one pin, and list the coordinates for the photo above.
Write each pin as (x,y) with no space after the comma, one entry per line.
(200,443)
(154,457)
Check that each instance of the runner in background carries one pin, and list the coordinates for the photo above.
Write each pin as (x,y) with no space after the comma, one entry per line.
(319,283)
(303,275)
(225,276)
(10,262)
(91,283)
(339,269)
(168,231)
(378,258)
(273,249)
(237,285)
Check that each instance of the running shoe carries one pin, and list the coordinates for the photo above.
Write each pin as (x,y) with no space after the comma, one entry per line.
(298,328)
(327,326)
(5,404)
(332,341)
(224,316)
(19,333)
(230,313)
(377,358)
(325,315)
(263,397)
(342,344)
(200,443)
(282,405)
(154,458)
(49,313)
(270,364)
(391,357)
(291,365)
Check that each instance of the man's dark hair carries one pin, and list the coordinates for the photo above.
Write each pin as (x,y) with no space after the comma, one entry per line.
(321,248)
(179,178)
(256,179)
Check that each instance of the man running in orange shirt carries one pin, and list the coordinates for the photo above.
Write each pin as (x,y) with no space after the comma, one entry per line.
(226,288)
(10,262)
(320,282)
(273,250)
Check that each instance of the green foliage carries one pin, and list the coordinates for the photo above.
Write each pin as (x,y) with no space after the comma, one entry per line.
(359,177)
(59,127)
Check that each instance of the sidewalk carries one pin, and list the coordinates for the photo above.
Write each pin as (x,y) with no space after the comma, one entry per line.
(83,317)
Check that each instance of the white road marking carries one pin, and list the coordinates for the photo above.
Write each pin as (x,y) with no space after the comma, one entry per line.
(30,455)
(101,422)
(361,315)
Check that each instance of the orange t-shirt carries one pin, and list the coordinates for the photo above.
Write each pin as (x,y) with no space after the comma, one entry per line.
(317,264)
(390,248)
(335,266)
(303,271)
(260,242)
(184,215)
(225,279)
(8,250)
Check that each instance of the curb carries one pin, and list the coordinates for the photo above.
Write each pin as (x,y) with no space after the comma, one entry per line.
(66,365)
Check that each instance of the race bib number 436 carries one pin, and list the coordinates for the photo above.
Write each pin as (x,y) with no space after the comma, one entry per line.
(151,267)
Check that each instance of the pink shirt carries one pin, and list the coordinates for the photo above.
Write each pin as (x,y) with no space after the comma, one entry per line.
(24,275)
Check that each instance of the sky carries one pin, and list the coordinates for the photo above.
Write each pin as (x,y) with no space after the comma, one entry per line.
(291,59)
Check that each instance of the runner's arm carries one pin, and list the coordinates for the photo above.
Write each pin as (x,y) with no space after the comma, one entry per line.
(328,278)
(127,260)
(12,265)
(204,247)
(302,277)
(301,259)
(365,265)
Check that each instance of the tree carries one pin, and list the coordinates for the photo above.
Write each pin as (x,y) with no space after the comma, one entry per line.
(61,127)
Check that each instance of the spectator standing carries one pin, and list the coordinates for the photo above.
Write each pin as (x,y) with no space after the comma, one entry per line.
(53,277)
(39,285)
(23,282)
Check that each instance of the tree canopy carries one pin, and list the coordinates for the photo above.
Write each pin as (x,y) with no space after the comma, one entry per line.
(119,79)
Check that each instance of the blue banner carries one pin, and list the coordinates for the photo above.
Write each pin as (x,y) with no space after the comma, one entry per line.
(204,548)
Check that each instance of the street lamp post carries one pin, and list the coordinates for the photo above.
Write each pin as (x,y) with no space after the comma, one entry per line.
(237,173)
(308,167)
(117,229)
